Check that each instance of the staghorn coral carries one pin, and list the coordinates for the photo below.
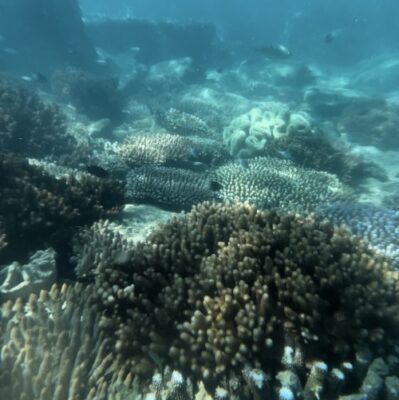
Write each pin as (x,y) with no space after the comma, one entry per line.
(172,188)
(251,304)
(29,127)
(244,300)
(377,226)
(51,349)
(36,205)
(248,134)
(155,149)
(270,182)
(183,123)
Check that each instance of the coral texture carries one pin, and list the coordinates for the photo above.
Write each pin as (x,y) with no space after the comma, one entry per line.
(254,305)
(378,226)
(227,288)
(183,123)
(93,95)
(173,188)
(371,126)
(314,151)
(155,149)
(270,182)
(36,205)
(247,135)
(30,127)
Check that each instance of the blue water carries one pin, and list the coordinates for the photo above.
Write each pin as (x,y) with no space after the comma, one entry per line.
(136,111)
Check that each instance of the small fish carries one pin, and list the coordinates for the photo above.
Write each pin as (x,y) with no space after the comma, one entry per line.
(97,171)
(279,52)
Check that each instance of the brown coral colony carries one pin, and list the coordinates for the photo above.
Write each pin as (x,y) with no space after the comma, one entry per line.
(229,287)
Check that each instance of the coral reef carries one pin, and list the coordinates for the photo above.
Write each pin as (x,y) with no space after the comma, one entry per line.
(183,123)
(246,301)
(376,225)
(227,302)
(172,188)
(248,134)
(30,127)
(35,205)
(270,182)
(332,102)
(314,151)
(155,149)
(96,96)
(18,280)
(171,150)
(372,126)
(51,349)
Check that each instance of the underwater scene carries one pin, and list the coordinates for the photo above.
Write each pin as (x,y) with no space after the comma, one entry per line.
(199,200)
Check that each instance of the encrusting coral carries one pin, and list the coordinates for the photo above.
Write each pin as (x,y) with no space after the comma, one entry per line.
(251,304)
(34,205)
(269,182)
(29,127)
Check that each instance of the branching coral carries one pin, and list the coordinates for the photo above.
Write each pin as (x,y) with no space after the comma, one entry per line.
(172,188)
(29,127)
(51,349)
(275,183)
(252,304)
(35,205)
(229,290)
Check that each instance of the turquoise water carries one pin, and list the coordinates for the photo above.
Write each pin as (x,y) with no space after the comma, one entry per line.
(199,200)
